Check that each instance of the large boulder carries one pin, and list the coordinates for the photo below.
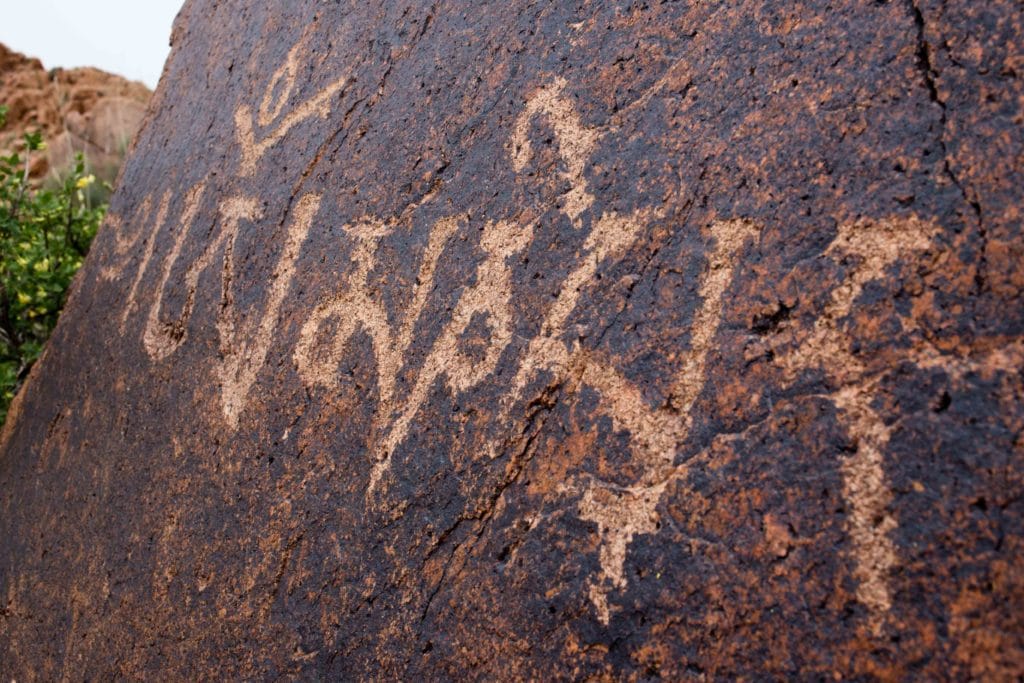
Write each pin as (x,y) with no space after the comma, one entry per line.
(542,340)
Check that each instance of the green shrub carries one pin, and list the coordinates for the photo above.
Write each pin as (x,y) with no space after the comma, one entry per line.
(44,236)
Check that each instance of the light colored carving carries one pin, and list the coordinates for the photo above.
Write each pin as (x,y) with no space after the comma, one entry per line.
(147,254)
(161,339)
(356,308)
(871,246)
(240,360)
(488,296)
(254,143)
(122,243)
(874,245)
(610,238)
(866,491)
(271,107)
(576,142)
(620,513)
(623,513)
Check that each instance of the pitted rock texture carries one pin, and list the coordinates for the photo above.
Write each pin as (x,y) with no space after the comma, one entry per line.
(516,340)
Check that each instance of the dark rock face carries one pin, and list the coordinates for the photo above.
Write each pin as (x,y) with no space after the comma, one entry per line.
(551,340)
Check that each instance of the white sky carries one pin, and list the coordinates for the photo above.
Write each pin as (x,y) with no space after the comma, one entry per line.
(125,37)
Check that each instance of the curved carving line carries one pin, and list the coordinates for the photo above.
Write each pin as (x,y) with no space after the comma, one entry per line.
(161,216)
(488,296)
(240,362)
(576,142)
(623,514)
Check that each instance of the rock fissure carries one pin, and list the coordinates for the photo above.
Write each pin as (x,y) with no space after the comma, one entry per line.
(929,74)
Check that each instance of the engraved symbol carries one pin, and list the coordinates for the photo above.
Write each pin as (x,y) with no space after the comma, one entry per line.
(874,246)
(242,354)
(356,309)
(282,83)
(620,512)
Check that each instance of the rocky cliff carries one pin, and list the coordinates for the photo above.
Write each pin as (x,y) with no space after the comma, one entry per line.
(608,340)
(77,110)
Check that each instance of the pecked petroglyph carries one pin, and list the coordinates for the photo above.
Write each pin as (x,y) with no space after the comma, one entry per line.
(159,338)
(355,308)
(122,243)
(872,246)
(240,360)
(489,296)
(621,514)
(576,142)
(162,338)
(865,489)
(603,473)
(147,254)
(610,237)
(655,433)
(254,142)
(282,82)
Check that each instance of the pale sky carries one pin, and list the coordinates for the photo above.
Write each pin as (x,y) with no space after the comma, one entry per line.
(125,37)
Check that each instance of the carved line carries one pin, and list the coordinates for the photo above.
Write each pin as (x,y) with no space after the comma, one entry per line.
(654,433)
(489,296)
(240,362)
(239,369)
(161,216)
(576,142)
(161,339)
(252,150)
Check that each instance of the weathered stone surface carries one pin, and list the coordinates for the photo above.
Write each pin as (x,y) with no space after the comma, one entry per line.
(78,110)
(542,340)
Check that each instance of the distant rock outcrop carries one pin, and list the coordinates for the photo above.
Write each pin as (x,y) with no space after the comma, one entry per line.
(525,340)
(77,110)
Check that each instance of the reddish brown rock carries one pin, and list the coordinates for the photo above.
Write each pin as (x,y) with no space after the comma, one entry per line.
(77,110)
(610,340)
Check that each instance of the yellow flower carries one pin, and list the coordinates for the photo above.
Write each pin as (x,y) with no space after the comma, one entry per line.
(42,266)
(85,181)
(21,261)
(25,246)
(24,298)
(42,146)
